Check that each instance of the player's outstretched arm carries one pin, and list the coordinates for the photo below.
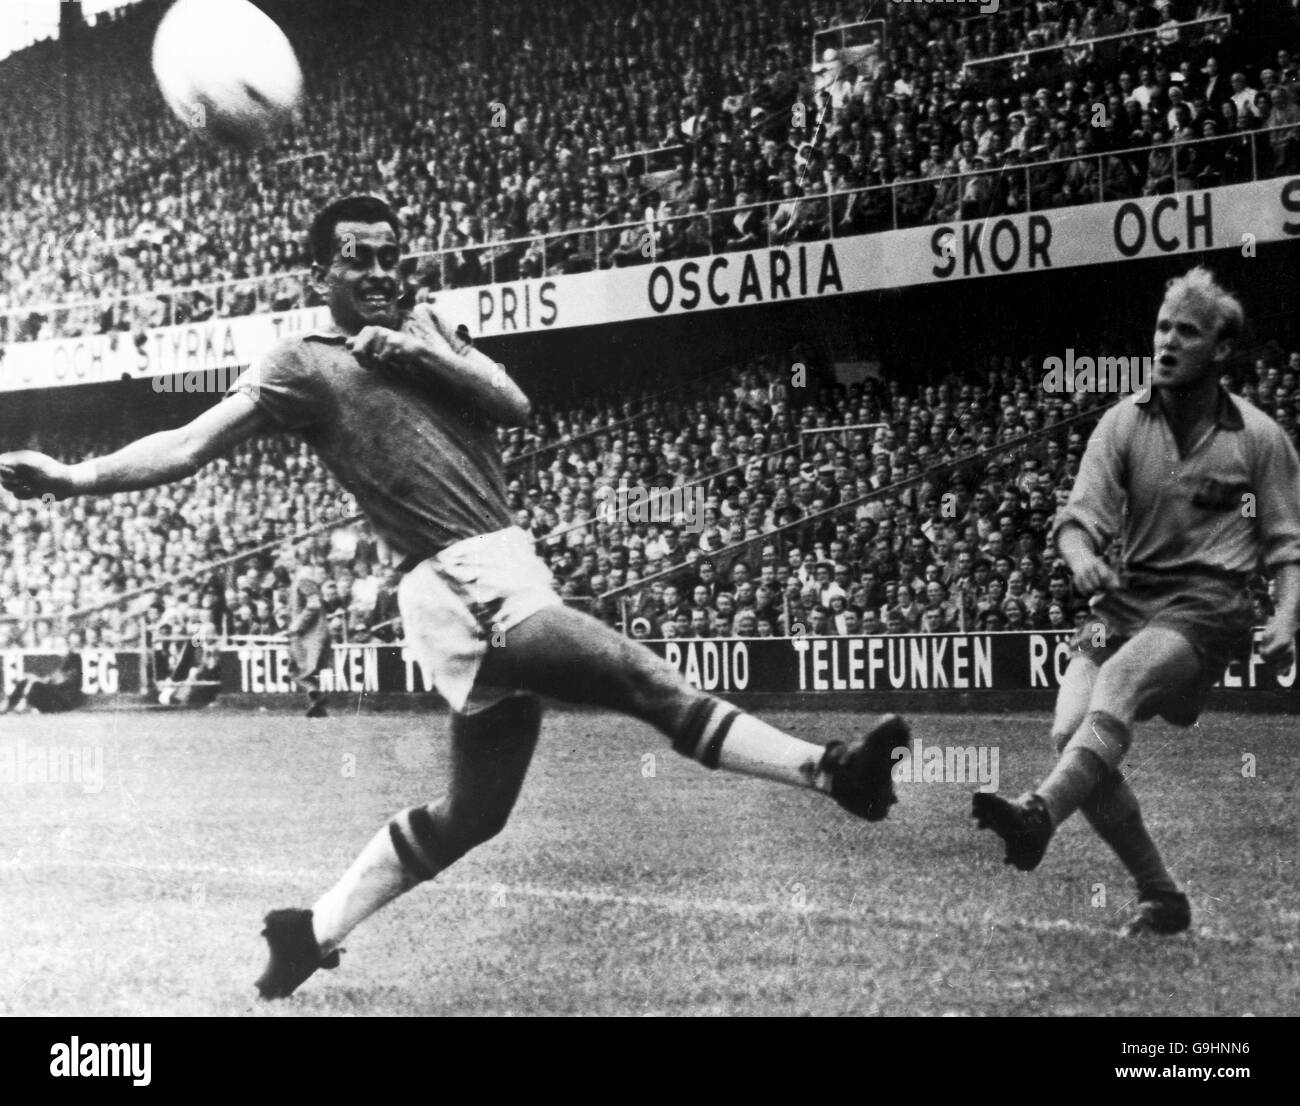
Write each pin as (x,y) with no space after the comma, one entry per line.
(157,459)
(429,346)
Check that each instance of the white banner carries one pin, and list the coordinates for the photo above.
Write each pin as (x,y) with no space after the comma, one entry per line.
(192,357)
(1236,217)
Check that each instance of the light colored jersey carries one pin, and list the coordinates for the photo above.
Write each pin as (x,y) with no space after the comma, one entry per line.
(421,460)
(1231,505)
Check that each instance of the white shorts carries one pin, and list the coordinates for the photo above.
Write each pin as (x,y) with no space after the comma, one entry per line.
(453,603)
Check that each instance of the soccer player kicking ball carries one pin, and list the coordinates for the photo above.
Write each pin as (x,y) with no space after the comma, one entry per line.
(404,412)
(1203,488)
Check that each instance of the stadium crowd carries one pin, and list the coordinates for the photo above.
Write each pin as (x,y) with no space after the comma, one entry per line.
(960,547)
(500,124)
(509,121)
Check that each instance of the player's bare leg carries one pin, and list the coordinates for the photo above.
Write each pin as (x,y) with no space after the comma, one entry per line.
(489,757)
(1113,811)
(1073,697)
(569,656)
(1092,746)
(566,654)
(1112,808)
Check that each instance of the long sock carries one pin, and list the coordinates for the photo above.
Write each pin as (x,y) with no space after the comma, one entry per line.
(1095,750)
(1113,811)
(393,862)
(720,736)
(1074,778)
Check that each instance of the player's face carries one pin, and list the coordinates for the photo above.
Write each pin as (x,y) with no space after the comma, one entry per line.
(361,284)
(1187,344)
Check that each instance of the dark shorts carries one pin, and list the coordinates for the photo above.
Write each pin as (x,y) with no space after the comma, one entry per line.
(1213,613)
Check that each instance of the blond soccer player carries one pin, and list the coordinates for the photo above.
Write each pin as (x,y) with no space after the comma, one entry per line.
(1204,490)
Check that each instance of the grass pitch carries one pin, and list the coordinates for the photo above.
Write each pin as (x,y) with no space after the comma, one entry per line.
(629,880)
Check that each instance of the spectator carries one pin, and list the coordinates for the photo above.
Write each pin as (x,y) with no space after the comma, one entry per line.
(1284,143)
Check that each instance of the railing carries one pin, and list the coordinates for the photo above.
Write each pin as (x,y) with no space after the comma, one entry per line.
(1086,44)
(870,209)
(822,39)
(1006,9)
(780,536)
(529,460)
(805,433)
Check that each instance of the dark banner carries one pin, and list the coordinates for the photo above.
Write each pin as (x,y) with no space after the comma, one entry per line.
(810,665)
(915,662)
(103,671)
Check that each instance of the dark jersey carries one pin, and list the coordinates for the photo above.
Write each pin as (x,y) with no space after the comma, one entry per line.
(422,462)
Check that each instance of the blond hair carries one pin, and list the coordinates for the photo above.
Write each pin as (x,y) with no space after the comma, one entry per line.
(1201,285)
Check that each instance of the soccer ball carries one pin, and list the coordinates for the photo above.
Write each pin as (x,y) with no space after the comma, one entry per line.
(227,71)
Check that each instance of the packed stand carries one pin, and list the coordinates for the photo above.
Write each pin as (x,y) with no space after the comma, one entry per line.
(966,547)
(502,124)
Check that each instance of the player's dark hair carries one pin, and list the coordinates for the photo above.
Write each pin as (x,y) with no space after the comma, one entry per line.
(348,209)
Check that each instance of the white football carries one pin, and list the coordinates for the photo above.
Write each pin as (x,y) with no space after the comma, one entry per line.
(227,71)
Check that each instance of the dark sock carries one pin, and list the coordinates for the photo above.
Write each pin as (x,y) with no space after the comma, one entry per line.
(1113,811)
(414,846)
